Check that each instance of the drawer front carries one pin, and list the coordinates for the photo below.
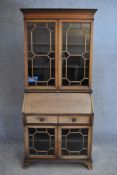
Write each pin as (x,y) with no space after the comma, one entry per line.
(74,119)
(41,119)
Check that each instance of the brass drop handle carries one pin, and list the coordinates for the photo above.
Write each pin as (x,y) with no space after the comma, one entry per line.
(42,119)
(73,119)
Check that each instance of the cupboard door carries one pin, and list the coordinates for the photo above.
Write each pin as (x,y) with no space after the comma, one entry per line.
(75,53)
(74,142)
(41,141)
(41,53)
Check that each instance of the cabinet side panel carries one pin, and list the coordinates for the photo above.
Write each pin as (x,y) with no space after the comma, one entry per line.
(91,56)
(25,54)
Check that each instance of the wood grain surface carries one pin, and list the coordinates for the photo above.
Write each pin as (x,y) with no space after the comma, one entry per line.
(57,103)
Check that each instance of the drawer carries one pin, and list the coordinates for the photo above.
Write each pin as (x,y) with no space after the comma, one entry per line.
(41,119)
(74,119)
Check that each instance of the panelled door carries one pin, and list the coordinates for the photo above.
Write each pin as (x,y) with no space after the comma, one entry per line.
(65,142)
(41,54)
(41,141)
(75,48)
(58,54)
(74,142)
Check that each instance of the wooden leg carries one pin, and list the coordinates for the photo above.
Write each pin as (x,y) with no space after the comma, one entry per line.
(26,163)
(89,164)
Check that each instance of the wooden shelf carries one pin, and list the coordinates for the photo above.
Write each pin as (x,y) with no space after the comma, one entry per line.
(41,44)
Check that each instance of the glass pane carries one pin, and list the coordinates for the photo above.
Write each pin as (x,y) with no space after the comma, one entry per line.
(41,53)
(41,141)
(75,53)
(74,141)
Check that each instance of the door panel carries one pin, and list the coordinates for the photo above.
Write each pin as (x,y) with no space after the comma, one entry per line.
(42,141)
(74,142)
(41,53)
(75,53)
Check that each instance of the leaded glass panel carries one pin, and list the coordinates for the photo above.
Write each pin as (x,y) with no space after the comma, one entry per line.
(74,141)
(75,53)
(41,53)
(42,141)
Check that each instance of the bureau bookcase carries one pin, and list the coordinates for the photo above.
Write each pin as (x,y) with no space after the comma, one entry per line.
(57,107)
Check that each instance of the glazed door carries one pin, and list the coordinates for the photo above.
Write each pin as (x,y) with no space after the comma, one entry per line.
(76,54)
(41,141)
(63,142)
(58,54)
(74,142)
(40,57)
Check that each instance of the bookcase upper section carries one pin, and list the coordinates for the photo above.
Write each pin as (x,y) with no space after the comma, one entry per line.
(58,49)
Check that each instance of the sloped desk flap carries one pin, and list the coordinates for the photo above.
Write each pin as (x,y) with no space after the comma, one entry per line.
(57,103)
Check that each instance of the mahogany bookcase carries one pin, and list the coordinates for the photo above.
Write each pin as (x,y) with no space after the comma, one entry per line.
(57,108)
